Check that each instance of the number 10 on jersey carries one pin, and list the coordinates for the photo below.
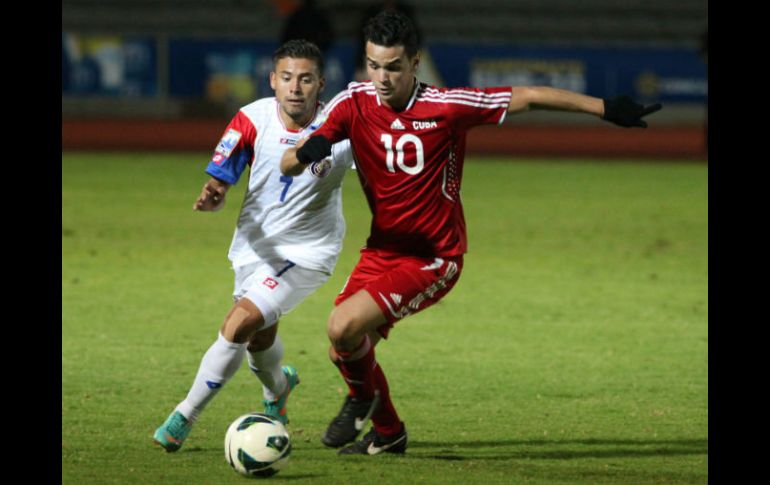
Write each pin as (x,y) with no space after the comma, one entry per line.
(387,140)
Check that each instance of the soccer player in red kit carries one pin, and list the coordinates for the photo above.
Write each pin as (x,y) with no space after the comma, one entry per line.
(409,144)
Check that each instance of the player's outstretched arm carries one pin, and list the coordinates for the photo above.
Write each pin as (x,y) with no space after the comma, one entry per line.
(621,110)
(212,196)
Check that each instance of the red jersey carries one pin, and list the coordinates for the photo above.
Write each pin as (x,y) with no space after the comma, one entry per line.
(410,162)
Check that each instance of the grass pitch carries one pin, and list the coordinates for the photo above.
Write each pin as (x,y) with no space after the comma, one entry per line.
(573,349)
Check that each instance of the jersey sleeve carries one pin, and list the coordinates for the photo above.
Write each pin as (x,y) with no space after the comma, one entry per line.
(234,151)
(342,153)
(469,107)
(337,116)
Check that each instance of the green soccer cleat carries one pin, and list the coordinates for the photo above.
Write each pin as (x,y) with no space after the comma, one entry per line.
(173,432)
(277,408)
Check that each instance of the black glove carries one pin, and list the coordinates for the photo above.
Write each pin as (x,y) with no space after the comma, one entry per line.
(623,111)
(315,148)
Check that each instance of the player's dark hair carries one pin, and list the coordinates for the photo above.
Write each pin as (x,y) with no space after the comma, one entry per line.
(300,49)
(389,29)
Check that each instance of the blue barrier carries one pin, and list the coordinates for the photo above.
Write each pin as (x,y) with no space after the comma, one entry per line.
(237,70)
(107,65)
(662,74)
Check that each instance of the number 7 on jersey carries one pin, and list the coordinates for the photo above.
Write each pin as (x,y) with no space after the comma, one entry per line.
(285,179)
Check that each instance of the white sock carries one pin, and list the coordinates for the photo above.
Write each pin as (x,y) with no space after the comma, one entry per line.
(266,364)
(218,366)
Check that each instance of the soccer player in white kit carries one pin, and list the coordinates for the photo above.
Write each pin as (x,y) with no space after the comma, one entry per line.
(287,239)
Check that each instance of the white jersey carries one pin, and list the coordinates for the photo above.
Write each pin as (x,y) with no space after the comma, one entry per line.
(294,218)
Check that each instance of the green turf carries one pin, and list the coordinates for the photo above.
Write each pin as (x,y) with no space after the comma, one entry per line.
(573,350)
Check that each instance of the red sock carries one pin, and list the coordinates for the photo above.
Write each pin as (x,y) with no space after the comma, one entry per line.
(356,369)
(363,375)
(385,419)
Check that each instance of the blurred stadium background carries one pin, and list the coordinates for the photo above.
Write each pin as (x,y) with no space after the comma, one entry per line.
(169,74)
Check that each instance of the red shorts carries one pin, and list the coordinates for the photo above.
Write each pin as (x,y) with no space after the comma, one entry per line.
(401,284)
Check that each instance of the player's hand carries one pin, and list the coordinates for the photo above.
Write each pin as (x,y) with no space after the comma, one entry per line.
(315,148)
(212,197)
(317,168)
(623,111)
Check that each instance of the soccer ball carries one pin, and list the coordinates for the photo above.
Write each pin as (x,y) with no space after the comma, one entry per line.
(256,445)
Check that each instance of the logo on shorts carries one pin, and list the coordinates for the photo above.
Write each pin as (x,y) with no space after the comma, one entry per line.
(270,283)
(394,310)
(399,310)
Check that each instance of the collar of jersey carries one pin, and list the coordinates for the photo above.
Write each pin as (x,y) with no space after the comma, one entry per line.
(280,120)
(411,99)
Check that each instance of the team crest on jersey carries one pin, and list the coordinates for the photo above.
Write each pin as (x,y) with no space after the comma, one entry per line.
(228,142)
(321,168)
(270,283)
(397,125)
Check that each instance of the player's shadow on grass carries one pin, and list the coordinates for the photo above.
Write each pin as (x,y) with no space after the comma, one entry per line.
(554,449)
(286,477)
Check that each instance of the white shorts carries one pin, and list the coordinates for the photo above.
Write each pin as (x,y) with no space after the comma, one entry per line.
(276,287)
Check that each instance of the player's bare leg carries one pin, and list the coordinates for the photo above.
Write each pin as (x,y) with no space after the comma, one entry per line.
(242,322)
(352,320)
(352,330)
(263,339)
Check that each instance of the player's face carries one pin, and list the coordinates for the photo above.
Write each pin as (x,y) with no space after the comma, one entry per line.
(296,83)
(392,72)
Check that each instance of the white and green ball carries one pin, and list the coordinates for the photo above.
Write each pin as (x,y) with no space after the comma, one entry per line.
(257,445)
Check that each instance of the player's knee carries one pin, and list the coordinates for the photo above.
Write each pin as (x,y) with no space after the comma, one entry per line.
(242,322)
(342,330)
(333,355)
